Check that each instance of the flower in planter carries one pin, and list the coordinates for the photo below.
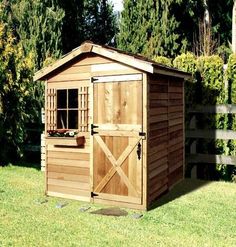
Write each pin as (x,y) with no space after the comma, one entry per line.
(62,133)
(72,133)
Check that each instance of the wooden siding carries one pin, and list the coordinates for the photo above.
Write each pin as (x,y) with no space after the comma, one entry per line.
(68,172)
(176,129)
(165,134)
(157,137)
(89,66)
(68,167)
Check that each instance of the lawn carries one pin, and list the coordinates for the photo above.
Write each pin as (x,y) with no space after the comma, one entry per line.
(195,213)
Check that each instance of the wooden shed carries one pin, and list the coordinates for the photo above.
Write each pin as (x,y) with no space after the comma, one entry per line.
(129,115)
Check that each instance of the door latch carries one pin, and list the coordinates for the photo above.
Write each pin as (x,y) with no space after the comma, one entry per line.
(139,150)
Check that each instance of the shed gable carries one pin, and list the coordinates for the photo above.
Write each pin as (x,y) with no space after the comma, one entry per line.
(89,65)
(133,61)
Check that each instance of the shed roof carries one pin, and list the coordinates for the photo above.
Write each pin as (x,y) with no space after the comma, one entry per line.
(135,61)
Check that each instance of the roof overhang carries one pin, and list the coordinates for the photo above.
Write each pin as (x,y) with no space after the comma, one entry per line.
(137,62)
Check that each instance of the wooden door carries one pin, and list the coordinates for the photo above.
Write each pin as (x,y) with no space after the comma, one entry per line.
(117,138)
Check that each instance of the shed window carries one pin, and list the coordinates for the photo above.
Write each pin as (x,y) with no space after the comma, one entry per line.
(67,109)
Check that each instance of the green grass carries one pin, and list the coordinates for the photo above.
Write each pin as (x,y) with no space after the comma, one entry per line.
(193,214)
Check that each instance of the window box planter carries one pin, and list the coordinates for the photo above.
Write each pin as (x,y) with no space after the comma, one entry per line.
(66,141)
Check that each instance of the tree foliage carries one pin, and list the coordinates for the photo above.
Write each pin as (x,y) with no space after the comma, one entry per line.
(147,27)
(38,25)
(15,94)
(221,16)
(169,28)
(87,20)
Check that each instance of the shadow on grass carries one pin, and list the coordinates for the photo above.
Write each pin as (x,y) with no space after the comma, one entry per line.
(183,188)
(28,164)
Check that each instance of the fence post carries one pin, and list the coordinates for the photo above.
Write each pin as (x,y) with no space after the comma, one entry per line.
(193,147)
(43,152)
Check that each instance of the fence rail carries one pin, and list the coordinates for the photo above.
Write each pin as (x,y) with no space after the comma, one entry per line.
(226,108)
(217,134)
(211,134)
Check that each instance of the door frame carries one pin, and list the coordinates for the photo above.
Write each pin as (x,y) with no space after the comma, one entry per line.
(143,78)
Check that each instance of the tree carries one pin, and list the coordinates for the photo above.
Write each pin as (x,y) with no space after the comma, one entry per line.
(38,24)
(158,27)
(220,12)
(15,94)
(87,20)
(234,28)
(189,14)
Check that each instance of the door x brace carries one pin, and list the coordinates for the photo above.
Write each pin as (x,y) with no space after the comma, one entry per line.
(116,164)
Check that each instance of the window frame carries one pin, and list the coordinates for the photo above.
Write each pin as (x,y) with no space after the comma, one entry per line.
(67,109)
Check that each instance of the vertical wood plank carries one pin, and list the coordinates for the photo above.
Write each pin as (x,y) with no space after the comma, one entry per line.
(145,112)
(91,119)
(45,130)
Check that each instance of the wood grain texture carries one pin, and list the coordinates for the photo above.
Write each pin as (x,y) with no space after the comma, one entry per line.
(117,116)
(165,142)
(158,136)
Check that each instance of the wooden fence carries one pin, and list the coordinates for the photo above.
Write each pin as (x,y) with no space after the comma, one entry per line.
(193,132)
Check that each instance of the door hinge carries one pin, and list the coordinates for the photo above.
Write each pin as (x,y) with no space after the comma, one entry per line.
(93,194)
(93,79)
(92,131)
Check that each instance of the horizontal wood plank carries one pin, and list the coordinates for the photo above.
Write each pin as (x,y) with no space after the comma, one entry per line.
(178,108)
(211,159)
(68,155)
(226,108)
(119,198)
(118,78)
(176,121)
(211,134)
(157,96)
(86,198)
(157,163)
(157,193)
(70,77)
(92,59)
(157,110)
(67,162)
(68,84)
(154,149)
(69,184)
(84,150)
(158,118)
(157,184)
(176,128)
(175,166)
(157,156)
(68,177)
(68,191)
(175,95)
(68,169)
(175,141)
(158,125)
(157,171)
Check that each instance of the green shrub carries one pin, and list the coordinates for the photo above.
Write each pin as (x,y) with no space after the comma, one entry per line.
(163,60)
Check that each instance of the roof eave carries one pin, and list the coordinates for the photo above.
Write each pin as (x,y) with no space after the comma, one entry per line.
(123,58)
(171,72)
(41,74)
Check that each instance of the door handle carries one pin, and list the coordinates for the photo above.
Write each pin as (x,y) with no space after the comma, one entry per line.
(139,151)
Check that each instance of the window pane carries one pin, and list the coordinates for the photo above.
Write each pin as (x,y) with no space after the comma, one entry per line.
(61,119)
(73,119)
(73,98)
(61,99)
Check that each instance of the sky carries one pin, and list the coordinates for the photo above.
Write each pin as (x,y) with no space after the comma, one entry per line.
(118,5)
